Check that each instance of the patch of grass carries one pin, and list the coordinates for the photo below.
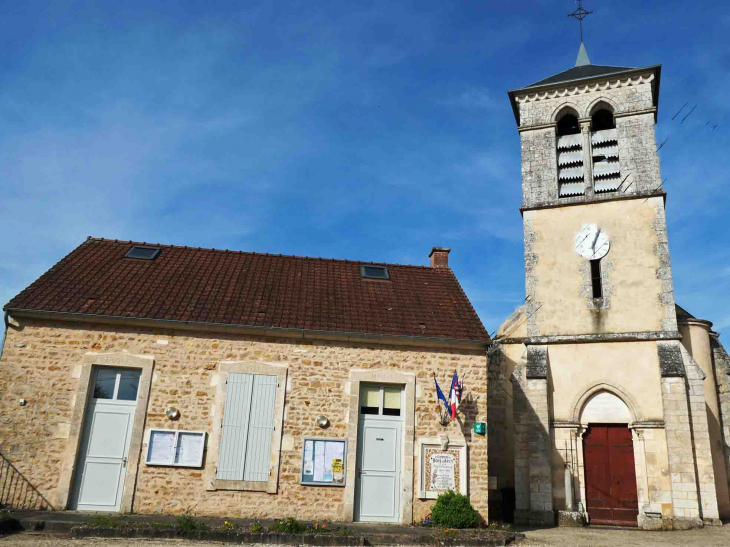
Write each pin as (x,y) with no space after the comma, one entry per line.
(288,526)
(187,525)
(498,525)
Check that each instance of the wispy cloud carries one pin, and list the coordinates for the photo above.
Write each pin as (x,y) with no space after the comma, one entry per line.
(370,131)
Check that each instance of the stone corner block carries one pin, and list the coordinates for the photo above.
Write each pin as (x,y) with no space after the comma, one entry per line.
(571,519)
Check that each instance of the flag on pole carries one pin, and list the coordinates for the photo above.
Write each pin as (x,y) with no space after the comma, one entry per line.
(440,395)
(454,395)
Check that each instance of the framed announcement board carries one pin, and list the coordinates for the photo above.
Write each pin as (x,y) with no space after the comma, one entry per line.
(176,448)
(441,469)
(324,462)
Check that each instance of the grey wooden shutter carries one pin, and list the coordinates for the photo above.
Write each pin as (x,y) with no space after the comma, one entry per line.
(261,424)
(235,427)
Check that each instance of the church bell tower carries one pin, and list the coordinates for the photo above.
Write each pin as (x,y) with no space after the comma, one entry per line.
(601,417)
(596,253)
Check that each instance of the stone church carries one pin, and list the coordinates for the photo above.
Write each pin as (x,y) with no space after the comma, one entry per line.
(608,402)
(153,378)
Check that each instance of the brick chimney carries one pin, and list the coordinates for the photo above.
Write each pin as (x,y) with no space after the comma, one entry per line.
(440,257)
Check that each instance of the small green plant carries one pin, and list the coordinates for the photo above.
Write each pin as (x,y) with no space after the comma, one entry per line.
(497,525)
(256,527)
(106,521)
(228,526)
(186,525)
(453,510)
(288,526)
(345,532)
(5,514)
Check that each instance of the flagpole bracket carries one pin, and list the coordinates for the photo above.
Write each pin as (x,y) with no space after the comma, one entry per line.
(444,441)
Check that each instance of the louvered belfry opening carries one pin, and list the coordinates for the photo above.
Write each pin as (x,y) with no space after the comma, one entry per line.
(604,141)
(570,157)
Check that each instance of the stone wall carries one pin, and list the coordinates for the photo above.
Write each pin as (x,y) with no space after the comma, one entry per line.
(694,495)
(533,480)
(721,367)
(40,356)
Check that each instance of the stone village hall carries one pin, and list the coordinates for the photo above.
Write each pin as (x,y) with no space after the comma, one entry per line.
(164,379)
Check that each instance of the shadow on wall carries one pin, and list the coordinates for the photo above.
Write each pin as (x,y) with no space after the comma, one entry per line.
(16,492)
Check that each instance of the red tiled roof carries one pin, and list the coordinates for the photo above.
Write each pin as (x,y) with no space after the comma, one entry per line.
(256,290)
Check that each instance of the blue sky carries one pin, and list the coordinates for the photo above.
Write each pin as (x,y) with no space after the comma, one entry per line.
(360,130)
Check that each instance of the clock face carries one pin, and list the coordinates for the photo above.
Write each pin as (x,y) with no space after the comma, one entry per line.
(591,242)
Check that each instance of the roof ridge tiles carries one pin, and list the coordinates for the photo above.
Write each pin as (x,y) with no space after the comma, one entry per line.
(254,253)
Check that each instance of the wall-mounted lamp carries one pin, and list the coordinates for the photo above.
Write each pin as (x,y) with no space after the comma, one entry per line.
(22,402)
(172,413)
(323,421)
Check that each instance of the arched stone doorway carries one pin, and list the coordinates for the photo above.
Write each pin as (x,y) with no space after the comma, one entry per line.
(608,461)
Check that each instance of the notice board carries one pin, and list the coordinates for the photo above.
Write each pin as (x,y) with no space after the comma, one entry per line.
(324,462)
(176,448)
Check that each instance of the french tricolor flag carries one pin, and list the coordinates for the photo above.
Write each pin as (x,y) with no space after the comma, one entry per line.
(454,395)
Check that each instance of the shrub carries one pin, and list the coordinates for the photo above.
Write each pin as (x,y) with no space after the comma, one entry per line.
(453,510)
(186,525)
(288,526)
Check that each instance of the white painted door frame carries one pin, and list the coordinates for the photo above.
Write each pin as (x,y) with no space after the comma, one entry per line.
(104,452)
(379,462)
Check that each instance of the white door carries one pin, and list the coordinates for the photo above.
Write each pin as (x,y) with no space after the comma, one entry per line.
(380,438)
(102,462)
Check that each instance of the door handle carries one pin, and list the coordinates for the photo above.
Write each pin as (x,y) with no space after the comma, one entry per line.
(124,462)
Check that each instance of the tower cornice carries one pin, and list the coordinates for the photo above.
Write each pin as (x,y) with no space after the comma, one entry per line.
(613,78)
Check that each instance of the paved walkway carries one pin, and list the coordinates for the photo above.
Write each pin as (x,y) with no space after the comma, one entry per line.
(712,536)
(83,517)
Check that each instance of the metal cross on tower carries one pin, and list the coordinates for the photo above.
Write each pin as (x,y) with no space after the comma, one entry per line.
(580,14)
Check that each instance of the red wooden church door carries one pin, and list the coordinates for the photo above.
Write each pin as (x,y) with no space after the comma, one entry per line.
(610,476)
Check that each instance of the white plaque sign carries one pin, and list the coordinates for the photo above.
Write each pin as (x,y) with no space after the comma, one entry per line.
(443,472)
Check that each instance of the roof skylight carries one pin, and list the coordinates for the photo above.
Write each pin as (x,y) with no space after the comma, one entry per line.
(143,253)
(374,272)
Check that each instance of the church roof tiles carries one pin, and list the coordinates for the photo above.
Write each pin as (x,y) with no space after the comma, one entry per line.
(230,288)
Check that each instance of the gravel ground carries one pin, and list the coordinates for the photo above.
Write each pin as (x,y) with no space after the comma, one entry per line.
(713,536)
(552,537)
(47,540)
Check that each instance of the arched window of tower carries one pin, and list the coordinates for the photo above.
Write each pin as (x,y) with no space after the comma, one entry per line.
(604,141)
(570,155)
